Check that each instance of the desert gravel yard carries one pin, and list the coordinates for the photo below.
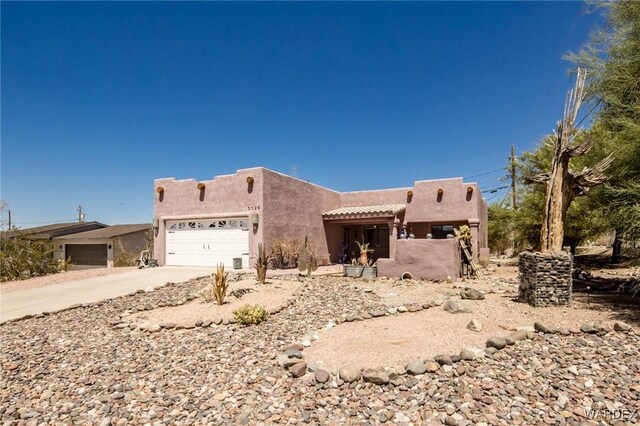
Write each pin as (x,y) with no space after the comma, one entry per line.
(271,295)
(85,366)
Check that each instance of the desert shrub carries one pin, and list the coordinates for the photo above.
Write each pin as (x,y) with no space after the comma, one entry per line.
(284,253)
(250,314)
(125,257)
(21,258)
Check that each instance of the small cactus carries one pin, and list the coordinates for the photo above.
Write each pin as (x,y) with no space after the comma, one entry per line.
(306,259)
(262,263)
(249,314)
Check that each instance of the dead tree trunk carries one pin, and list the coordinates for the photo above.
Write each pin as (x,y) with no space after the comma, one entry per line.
(562,184)
(616,253)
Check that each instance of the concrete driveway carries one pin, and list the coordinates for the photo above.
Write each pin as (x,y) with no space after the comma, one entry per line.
(54,297)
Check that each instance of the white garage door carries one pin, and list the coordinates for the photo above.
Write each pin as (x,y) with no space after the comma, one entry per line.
(207,242)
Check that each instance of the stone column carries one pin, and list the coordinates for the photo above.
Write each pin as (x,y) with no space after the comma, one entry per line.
(393,236)
(474,225)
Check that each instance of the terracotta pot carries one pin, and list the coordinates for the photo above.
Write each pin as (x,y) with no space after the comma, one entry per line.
(364,259)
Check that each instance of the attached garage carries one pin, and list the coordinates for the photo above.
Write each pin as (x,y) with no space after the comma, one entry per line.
(87,254)
(207,242)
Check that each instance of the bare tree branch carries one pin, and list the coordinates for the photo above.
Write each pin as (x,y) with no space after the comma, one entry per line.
(577,150)
(591,176)
(541,178)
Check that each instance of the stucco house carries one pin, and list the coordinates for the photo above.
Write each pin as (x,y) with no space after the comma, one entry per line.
(212,221)
(103,246)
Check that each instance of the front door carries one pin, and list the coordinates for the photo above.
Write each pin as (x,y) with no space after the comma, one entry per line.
(378,239)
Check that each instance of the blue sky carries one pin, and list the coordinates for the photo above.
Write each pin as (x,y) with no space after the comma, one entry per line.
(98,99)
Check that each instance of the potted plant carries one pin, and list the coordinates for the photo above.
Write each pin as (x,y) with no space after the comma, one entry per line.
(356,270)
(362,267)
(364,252)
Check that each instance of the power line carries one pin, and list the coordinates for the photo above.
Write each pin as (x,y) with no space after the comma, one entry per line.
(485,173)
(588,114)
(494,190)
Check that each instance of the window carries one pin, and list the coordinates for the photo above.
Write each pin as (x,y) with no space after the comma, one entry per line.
(440,232)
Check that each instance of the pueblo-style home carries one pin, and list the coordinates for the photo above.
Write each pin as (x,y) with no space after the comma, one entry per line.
(203,223)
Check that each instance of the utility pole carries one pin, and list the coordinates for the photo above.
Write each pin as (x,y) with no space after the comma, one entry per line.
(80,215)
(513,178)
(9,213)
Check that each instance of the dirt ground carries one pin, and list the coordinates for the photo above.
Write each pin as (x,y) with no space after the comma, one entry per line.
(59,278)
(403,338)
(271,295)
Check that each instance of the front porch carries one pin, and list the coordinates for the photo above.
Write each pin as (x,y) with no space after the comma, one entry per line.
(375,225)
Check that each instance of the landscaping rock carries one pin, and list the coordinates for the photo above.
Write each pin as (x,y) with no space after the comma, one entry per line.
(588,329)
(375,376)
(621,326)
(540,328)
(467,355)
(496,342)
(443,359)
(475,325)
(519,335)
(416,367)
(293,353)
(431,366)
(455,307)
(471,294)
(321,376)
(298,369)
(294,346)
(350,374)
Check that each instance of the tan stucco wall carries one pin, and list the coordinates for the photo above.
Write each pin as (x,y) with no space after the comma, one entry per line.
(223,196)
(294,208)
(423,259)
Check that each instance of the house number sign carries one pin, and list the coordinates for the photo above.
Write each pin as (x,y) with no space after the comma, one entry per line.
(253,208)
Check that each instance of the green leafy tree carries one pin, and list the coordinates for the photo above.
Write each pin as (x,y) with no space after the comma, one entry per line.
(612,60)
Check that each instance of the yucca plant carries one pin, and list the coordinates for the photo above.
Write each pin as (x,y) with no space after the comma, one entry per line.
(220,285)
(262,263)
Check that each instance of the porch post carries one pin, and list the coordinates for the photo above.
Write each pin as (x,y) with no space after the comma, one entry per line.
(473,225)
(393,237)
